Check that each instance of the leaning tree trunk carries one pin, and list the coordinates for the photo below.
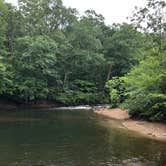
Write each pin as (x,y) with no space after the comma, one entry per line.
(109,72)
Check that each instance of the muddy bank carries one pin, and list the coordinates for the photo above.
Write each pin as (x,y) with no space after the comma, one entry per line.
(148,129)
(7,105)
(11,105)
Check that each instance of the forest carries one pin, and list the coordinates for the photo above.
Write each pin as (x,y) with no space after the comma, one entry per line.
(51,52)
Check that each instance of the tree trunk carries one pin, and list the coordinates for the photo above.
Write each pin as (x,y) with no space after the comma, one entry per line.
(65,79)
(109,72)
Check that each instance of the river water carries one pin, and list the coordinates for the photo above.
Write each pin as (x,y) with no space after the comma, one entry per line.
(72,138)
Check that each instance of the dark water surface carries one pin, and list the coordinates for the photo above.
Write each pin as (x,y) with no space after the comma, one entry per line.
(72,138)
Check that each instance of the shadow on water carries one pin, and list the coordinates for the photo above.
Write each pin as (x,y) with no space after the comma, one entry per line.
(72,138)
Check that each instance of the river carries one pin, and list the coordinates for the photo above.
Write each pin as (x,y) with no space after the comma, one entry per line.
(72,138)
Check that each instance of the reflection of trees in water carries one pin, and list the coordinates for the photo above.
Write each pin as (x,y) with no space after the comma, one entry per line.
(75,138)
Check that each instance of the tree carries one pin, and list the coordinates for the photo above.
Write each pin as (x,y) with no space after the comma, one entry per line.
(3,79)
(14,28)
(3,23)
(146,91)
(5,76)
(151,19)
(35,67)
(86,53)
(45,16)
(123,49)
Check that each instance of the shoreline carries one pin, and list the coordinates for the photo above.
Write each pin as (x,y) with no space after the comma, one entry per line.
(151,130)
(43,104)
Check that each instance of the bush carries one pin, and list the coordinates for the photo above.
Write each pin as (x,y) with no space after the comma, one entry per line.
(116,91)
(145,89)
(81,92)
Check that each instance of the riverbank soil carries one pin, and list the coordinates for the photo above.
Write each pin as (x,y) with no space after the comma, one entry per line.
(7,105)
(11,105)
(114,113)
(149,129)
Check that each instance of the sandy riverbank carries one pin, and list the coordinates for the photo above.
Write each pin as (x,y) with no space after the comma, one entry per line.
(149,129)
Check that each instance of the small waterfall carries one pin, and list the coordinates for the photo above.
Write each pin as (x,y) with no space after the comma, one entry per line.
(83,107)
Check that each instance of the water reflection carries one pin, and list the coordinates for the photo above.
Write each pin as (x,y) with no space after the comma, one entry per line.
(72,138)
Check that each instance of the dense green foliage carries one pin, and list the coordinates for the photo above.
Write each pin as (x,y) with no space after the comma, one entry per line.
(143,89)
(50,52)
(47,53)
(116,91)
(147,92)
